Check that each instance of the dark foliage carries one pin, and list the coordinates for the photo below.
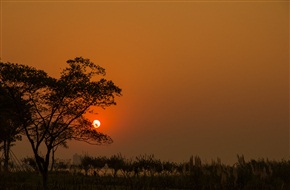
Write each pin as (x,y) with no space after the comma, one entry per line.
(51,111)
(255,174)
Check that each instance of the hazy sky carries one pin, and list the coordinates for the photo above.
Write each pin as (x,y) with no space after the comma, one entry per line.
(199,77)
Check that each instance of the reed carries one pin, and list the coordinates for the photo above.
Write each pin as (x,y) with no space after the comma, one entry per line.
(148,172)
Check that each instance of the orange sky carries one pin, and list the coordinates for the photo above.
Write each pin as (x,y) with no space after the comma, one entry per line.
(198,78)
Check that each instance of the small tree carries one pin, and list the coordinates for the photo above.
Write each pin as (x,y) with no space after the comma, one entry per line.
(57,106)
(145,162)
(116,162)
(54,149)
(98,163)
(30,161)
(86,163)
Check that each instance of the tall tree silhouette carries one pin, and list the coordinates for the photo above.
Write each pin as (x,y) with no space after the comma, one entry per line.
(10,126)
(57,106)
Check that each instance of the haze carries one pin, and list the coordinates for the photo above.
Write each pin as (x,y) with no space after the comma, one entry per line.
(198,78)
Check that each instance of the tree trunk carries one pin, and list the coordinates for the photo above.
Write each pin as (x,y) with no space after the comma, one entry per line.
(44,180)
(52,160)
(43,169)
(6,155)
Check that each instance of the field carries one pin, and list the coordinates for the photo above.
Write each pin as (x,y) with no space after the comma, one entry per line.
(146,172)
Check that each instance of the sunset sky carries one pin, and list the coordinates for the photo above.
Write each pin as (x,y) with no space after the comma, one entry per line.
(203,78)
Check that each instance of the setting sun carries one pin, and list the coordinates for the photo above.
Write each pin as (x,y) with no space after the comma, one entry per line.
(219,70)
(96,123)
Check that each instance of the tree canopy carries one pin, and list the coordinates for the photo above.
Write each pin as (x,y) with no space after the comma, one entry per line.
(52,111)
(10,126)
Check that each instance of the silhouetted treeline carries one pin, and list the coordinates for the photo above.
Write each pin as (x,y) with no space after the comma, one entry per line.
(148,172)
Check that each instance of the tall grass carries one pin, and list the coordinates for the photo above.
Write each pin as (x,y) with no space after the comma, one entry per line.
(147,172)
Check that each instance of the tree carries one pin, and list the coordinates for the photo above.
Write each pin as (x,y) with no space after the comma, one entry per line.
(86,163)
(54,149)
(30,162)
(116,162)
(58,106)
(10,127)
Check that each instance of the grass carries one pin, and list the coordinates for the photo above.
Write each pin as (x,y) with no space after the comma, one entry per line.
(255,174)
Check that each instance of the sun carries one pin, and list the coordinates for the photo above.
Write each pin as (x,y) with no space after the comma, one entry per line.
(96,123)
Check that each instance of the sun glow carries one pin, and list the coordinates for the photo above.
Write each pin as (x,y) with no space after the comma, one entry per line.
(96,123)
